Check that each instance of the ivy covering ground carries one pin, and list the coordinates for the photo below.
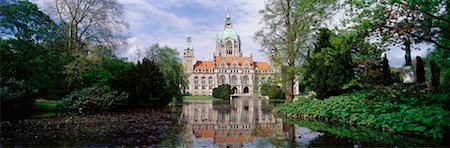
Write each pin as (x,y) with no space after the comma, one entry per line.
(405,111)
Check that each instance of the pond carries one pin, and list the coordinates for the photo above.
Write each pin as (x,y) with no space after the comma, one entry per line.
(242,122)
(246,122)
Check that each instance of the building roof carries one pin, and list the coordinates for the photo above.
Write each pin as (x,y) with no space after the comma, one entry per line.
(228,33)
(261,65)
(206,65)
(210,65)
(229,60)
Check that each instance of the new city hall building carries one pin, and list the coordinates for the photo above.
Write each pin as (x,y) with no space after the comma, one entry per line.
(228,66)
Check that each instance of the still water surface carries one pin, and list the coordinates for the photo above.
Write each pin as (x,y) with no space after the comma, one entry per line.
(246,122)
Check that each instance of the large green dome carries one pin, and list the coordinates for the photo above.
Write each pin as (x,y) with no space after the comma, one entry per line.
(228,33)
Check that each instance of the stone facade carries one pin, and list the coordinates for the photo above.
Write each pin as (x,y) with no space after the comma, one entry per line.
(228,66)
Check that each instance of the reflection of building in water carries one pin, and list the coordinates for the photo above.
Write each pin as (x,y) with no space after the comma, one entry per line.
(240,123)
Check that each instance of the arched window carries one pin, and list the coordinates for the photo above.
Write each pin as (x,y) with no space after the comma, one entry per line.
(245,80)
(222,79)
(263,80)
(203,80)
(210,80)
(229,48)
(256,80)
(195,80)
(233,80)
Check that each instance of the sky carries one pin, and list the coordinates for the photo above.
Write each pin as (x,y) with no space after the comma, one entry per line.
(169,22)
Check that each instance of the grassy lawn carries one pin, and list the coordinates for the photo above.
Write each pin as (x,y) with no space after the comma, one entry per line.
(41,104)
(199,98)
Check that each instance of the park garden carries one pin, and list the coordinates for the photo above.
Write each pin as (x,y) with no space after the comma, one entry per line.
(62,83)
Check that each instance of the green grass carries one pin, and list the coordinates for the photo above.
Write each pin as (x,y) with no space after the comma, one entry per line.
(199,98)
(47,104)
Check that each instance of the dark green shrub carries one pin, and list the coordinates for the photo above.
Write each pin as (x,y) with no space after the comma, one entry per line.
(222,92)
(16,96)
(105,71)
(144,84)
(435,75)
(274,92)
(94,98)
(329,66)
(420,70)
(386,71)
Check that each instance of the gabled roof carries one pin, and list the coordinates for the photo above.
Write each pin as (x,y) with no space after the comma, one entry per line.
(229,60)
(261,65)
(206,65)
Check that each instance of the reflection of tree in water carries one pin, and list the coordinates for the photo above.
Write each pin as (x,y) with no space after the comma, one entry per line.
(266,107)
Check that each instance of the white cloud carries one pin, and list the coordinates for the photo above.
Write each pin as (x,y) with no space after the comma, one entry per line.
(158,22)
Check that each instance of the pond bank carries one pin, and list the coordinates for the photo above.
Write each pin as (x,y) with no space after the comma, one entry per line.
(424,114)
(147,127)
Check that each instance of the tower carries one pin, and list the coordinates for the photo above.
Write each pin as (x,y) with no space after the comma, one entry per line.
(188,56)
(228,41)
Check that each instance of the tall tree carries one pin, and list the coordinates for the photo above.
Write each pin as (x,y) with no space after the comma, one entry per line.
(24,21)
(29,51)
(329,66)
(85,24)
(401,22)
(170,66)
(90,22)
(288,28)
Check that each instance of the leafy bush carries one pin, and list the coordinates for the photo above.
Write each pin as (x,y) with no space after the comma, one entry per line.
(105,71)
(144,84)
(93,98)
(274,92)
(402,110)
(222,92)
(16,96)
(329,66)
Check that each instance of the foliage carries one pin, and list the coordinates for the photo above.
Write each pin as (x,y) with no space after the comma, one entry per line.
(401,22)
(95,98)
(400,109)
(104,72)
(170,66)
(368,64)
(420,70)
(274,92)
(28,50)
(329,66)
(386,71)
(144,84)
(222,92)
(24,21)
(441,71)
(288,27)
(39,65)
(16,96)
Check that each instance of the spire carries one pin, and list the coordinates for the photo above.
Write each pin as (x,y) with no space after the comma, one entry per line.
(228,21)
(189,42)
